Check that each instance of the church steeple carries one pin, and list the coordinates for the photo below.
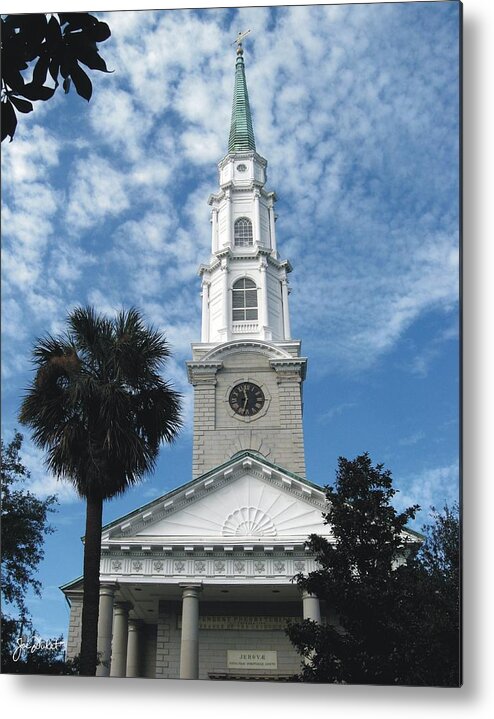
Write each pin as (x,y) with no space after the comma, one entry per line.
(245,286)
(241,130)
(247,370)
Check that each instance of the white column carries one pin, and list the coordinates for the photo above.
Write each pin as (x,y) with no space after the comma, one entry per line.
(134,648)
(214,229)
(257,218)
(225,301)
(228,241)
(189,647)
(120,637)
(311,607)
(272,229)
(264,313)
(286,313)
(205,311)
(105,622)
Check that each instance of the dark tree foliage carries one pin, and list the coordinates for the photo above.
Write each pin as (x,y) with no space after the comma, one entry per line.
(24,652)
(436,572)
(24,526)
(394,616)
(100,408)
(38,47)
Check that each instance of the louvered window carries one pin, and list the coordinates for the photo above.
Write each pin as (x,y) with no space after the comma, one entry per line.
(244,300)
(242,232)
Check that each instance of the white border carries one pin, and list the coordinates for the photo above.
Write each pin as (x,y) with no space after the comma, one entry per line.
(40,696)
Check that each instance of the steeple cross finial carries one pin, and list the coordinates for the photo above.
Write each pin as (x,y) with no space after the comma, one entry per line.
(238,41)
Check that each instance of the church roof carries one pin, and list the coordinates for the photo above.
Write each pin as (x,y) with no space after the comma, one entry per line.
(241,460)
(241,130)
(246,504)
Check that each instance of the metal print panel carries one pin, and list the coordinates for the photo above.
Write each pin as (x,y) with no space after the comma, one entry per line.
(231,343)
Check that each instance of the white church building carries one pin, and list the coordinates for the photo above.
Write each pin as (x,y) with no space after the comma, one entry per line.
(198,583)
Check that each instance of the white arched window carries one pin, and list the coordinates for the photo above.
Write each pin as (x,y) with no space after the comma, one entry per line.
(244,300)
(242,232)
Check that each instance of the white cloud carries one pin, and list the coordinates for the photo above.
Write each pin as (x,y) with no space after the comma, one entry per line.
(97,191)
(432,487)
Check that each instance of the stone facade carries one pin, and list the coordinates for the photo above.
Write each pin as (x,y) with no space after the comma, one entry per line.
(74,633)
(276,432)
(214,644)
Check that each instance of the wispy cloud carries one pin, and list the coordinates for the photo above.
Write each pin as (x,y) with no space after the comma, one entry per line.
(433,486)
(412,439)
(336,411)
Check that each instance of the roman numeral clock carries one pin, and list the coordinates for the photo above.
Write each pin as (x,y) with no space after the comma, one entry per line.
(246,399)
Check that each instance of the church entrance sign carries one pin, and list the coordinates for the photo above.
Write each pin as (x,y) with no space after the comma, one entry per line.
(251,659)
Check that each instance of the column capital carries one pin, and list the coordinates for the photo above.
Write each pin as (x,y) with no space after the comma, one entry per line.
(107,589)
(191,589)
(122,607)
(135,624)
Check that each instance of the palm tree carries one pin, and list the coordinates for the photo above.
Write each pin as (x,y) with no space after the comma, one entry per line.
(100,409)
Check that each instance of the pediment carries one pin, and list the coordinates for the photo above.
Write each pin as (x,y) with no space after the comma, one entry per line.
(247,500)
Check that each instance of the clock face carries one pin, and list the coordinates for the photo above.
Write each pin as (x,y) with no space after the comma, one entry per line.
(246,399)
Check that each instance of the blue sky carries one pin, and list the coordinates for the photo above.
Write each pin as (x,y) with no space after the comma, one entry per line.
(356,110)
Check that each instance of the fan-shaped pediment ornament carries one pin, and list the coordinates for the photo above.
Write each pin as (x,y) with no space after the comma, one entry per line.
(248,522)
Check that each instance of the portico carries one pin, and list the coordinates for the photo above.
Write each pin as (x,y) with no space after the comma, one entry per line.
(177,605)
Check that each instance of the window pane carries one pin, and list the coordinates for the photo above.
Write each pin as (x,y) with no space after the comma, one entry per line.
(238,299)
(242,232)
(244,300)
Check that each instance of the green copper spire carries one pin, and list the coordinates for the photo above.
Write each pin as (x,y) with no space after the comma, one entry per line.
(241,132)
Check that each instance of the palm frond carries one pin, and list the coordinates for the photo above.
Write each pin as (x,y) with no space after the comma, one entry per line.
(98,404)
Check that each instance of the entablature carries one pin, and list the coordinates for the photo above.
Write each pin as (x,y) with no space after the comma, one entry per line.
(230,255)
(205,565)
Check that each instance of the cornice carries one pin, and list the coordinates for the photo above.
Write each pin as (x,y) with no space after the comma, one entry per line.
(293,365)
(245,155)
(200,371)
(236,256)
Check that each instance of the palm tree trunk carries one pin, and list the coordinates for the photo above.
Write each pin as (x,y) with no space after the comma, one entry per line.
(90,604)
